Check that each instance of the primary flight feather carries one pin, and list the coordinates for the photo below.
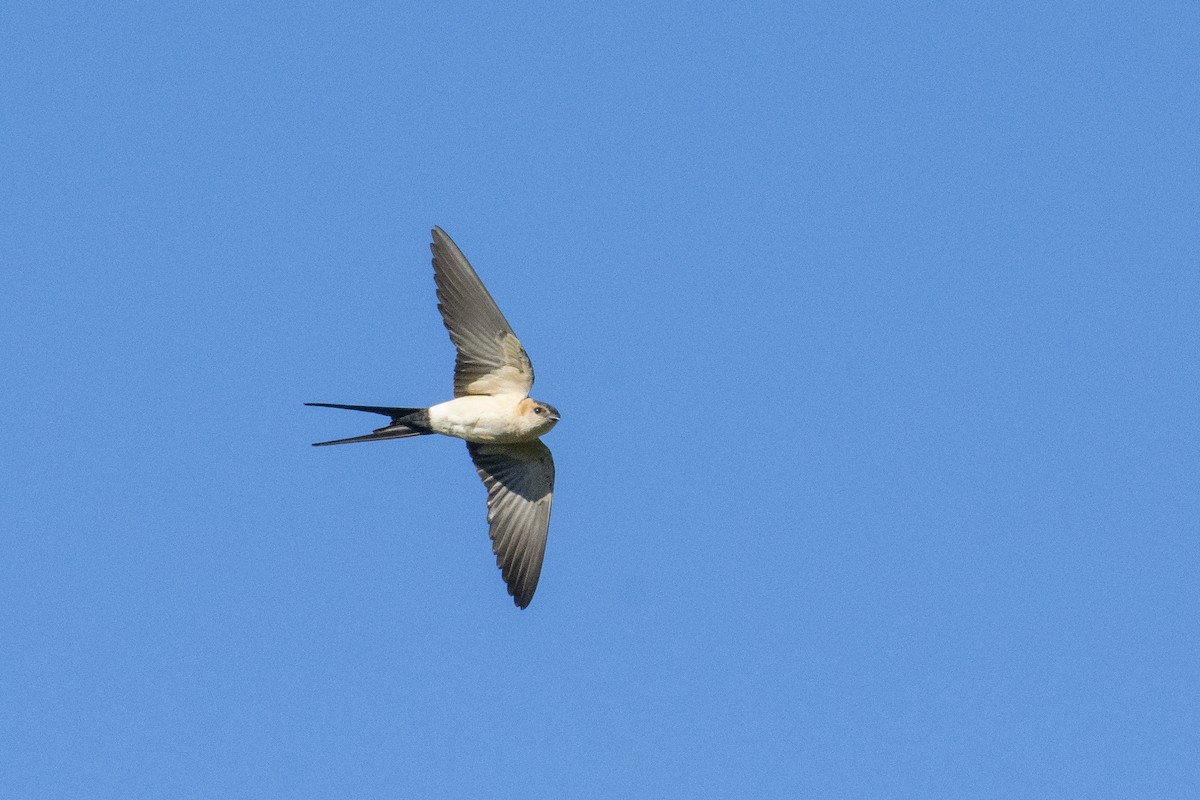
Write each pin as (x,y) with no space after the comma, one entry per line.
(493,412)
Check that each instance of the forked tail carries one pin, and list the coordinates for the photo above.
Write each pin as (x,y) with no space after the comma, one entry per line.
(405,422)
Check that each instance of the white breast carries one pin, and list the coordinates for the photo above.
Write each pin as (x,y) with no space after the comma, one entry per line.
(480,418)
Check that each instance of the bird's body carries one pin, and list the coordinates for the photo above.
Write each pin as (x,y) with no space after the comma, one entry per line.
(492,419)
(493,412)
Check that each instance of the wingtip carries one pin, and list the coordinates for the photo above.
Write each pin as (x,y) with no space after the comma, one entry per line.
(522,594)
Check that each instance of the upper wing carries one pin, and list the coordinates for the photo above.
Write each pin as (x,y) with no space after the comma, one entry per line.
(520,483)
(491,359)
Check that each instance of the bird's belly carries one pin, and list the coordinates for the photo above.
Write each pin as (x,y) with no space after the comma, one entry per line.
(484,419)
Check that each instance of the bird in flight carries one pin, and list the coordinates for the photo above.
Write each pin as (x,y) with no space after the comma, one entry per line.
(493,412)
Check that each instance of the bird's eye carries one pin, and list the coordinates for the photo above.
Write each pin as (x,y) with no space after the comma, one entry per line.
(539,410)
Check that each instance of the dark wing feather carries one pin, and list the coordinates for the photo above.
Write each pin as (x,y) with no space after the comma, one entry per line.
(520,483)
(491,359)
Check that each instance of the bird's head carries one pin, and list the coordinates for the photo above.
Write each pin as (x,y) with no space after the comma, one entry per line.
(537,417)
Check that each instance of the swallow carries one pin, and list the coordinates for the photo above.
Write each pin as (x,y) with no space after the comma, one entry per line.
(493,412)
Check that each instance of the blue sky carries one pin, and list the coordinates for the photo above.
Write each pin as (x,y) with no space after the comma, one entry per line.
(874,332)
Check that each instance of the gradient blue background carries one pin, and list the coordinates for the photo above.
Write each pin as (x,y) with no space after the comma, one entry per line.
(875,332)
